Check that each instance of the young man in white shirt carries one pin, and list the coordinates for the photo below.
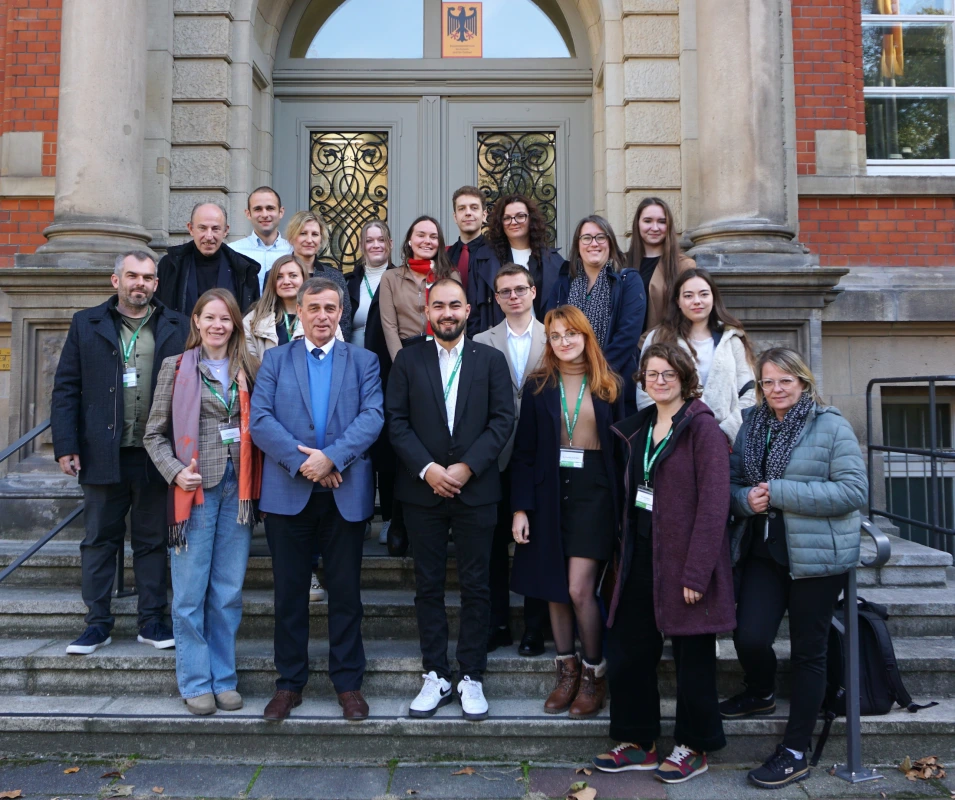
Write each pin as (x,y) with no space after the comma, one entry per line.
(265,244)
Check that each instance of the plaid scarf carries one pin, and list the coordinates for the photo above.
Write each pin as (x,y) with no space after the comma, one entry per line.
(596,304)
(186,406)
(783,434)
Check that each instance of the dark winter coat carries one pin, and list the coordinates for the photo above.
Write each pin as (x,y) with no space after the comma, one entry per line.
(86,411)
(173,277)
(483,265)
(540,569)
(690,508)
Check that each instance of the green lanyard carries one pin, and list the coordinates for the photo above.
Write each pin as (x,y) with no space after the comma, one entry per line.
(127,350)
(447,389)
(371,294)
(233,393)
(649,461)
(571,426)
(288,326)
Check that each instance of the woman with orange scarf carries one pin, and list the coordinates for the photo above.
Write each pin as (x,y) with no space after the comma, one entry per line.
(198,438)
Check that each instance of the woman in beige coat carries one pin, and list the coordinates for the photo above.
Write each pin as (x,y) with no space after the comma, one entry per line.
(273,319)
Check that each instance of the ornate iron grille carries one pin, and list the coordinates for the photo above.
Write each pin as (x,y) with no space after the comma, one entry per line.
(520,162)
(348,186)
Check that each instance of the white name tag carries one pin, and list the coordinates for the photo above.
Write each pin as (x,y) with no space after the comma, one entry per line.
(230,435)
(129,378)
(571,457)
(644,498)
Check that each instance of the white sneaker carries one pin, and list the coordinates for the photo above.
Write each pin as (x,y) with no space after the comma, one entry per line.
(315,592)
(383,534)
(435,693)
(471,695)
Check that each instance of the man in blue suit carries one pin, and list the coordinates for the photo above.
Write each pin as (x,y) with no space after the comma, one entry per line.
(316,409)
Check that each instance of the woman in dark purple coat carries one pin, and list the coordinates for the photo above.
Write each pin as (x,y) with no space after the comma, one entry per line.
(673,573)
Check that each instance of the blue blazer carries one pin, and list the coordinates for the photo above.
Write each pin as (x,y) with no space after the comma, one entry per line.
(281,420)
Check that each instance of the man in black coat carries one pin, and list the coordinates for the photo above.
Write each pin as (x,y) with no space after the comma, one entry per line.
(188,270)
(102,393)
(450,412)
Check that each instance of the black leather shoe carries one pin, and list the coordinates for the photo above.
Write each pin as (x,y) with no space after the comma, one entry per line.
(499,637)
(397,540)
(532,644)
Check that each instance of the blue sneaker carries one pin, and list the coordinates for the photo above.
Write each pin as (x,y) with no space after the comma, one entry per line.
(94,637)
(156,634)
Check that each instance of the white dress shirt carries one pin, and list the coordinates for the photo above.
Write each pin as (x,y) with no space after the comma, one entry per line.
(325,348)
(446,361)
(253,247)
(519,347)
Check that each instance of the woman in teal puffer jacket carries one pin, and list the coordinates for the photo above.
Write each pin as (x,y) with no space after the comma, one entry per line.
(797,482)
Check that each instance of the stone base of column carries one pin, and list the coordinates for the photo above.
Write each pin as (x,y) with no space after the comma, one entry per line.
(86,244)
(748,243)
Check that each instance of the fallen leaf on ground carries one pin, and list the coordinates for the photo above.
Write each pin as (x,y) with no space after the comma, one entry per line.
(465,771)
(883,795)
(113,774)
(71,770)
(158,789)
(584,771)
(576,787)
(926,768)
(11,794)
(121,790)
(583,794)
(411,791)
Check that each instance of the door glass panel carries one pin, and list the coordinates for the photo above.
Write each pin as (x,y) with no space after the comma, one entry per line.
(348,185)
(520,162)
(372,29)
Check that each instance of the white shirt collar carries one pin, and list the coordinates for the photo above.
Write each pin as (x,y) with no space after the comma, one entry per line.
(326,348)
(511,332)
(456,349)
(279,241)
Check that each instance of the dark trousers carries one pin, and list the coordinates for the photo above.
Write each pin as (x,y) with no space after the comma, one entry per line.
(634,648)
(767,592)
(292,540)
(105,519)
(473,530)
(535,610)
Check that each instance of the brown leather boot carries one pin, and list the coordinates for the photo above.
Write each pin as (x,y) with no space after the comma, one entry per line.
(568,682)
(592,696)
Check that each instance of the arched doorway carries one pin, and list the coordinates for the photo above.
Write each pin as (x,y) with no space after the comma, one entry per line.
(371,121)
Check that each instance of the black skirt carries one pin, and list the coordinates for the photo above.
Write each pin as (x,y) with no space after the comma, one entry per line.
(587,520)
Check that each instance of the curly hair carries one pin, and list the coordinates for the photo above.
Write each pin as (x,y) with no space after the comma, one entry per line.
(498,236)
(682,363)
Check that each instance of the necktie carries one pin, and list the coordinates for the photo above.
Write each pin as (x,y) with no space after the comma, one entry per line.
(317,353)
(463,260)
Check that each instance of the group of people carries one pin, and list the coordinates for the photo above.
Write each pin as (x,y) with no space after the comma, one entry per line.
(604,415)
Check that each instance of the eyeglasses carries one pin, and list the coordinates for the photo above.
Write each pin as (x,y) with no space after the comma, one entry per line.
(517,291)
(767,384)
(567,338)
(599,238)
(668,376)
(517,219)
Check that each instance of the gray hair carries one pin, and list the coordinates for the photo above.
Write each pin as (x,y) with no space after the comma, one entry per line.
(139,255)
(197,206)
(318,285)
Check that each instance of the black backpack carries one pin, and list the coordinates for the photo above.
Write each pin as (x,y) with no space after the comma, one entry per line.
(880,684)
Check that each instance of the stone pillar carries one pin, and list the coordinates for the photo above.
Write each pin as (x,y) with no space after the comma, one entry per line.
(99,166)
(746,131)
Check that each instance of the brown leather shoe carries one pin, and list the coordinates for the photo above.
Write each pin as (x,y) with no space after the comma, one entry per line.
(353,706)
(281,705)
(568,682)
(592,696)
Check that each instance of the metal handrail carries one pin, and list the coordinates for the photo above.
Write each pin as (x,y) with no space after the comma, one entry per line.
(24,440)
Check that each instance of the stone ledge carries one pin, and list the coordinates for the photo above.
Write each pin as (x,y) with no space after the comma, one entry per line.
(27,187)
(894,294)
(875,185)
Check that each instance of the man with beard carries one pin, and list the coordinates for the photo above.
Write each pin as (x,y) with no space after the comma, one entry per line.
(102,393)
(450,412)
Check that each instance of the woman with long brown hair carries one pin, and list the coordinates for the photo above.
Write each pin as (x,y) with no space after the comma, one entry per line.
(564,500)
(655,252)
(272,320)
(198,438)
(698,321)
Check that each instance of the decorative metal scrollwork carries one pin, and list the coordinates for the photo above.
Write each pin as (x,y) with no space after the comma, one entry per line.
(348,186)
(521,162)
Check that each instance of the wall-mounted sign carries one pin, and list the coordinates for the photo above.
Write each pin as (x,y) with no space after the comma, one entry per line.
(462,34)
(4,359)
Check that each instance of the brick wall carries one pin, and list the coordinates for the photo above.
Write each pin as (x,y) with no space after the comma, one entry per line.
(827,50)
(29,82)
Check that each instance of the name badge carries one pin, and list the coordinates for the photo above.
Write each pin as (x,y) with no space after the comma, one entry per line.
(129,378)
(230,435)
(572,457)
(644,498)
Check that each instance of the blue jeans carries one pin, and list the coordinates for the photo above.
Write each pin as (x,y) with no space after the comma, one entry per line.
(207,578)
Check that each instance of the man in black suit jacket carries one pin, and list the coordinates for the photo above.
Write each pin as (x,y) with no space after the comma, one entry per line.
(450,413)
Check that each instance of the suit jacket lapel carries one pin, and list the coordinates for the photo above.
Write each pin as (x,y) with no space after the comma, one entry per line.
(107,328)
(538,343)
(298,353)
(434,377)
(499,339)
(340,354)
(464,379)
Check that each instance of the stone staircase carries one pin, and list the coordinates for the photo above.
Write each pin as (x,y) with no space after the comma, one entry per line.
(123,698)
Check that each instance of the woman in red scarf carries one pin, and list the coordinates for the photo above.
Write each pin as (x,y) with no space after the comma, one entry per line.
(198,438)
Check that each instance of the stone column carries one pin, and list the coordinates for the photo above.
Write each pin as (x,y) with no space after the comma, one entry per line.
(746,129)
(98,210)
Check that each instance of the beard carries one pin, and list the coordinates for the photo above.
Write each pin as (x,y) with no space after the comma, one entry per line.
(130,301)
(451,335)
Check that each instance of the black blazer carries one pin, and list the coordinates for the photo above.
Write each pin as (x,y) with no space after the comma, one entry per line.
(86,411)
(172,271)
(418,421)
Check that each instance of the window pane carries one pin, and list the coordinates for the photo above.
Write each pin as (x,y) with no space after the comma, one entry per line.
(372,29)
(909,127)
(519,29)
(348,185)
(907,7)
(907,55)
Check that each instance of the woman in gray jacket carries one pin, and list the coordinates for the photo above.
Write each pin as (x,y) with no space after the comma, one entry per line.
(797,482)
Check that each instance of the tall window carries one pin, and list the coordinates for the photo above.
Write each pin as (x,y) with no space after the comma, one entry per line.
(909,74)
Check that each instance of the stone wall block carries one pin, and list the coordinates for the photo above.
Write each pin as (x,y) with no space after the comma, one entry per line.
(653,123)
(200,80)
(651,7)
(200,167)
(652,79)
(653,167)
(208,37)
(181,204)
(650,35)
(203,7)
(672,198)
(200,123)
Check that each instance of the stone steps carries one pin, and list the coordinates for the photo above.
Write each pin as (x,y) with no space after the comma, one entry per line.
(107,725)
(41,667)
